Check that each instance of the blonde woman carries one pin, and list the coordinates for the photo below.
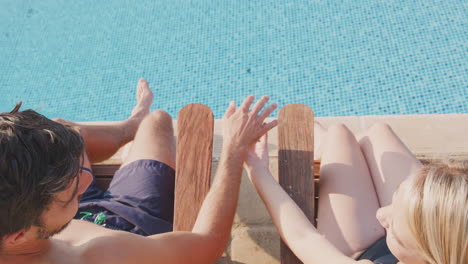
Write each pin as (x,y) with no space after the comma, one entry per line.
(423,215)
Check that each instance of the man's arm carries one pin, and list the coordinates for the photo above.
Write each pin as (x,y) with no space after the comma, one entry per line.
(205,244)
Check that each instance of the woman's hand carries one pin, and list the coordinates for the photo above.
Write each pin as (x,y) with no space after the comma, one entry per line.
(257,156)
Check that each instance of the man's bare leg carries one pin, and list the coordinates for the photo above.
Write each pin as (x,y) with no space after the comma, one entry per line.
(154,140)
(104,138)
(390,161)
(348,201)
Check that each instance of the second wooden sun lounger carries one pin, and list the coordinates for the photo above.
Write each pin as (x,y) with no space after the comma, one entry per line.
(296,163)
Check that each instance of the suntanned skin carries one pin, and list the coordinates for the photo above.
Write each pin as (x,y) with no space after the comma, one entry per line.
(84,242)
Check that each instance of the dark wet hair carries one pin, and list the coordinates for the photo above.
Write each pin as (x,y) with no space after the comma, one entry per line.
(38,158)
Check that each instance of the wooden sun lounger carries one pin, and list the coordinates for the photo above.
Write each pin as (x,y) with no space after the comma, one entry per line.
(193,170)
(296,163)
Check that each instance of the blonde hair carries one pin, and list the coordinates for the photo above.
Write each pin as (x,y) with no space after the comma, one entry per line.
(437,212)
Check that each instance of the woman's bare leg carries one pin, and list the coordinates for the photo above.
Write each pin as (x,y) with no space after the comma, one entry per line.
(348,201)
(390,161)
(104,138)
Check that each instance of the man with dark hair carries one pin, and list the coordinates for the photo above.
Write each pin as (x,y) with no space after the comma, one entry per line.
(45,171)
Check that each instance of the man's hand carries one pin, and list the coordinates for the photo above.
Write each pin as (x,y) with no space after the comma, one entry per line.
(243,127)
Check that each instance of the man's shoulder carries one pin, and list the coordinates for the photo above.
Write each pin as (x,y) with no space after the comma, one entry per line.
(88,238)
(79,232)
(95,244)
(92,243)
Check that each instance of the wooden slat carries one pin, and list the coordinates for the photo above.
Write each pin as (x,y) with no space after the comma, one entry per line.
(104,174)
(193,163)
(296,162)
(105,170)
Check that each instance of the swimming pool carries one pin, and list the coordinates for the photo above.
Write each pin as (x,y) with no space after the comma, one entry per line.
(81,60)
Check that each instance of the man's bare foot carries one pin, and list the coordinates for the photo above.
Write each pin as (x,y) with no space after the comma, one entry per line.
(144,98)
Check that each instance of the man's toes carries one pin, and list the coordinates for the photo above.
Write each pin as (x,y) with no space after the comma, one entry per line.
(141,87)
(142,83)
(143,90)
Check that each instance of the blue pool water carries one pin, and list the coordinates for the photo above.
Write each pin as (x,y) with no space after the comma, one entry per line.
(81,60)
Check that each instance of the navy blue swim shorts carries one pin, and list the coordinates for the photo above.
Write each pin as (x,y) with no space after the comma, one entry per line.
(140,199)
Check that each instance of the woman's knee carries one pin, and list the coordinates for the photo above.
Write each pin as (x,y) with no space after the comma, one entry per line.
(379,129)
(338,129)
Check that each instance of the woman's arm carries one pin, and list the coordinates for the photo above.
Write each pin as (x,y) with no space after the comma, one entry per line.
(293,226)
